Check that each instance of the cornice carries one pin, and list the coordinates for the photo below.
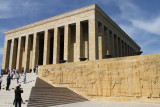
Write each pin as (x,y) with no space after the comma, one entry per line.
(71,13)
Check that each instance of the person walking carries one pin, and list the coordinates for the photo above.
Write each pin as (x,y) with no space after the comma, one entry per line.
(18,98)
(24,78)
(18,76)
(0,81)
(22,71)
(8,81)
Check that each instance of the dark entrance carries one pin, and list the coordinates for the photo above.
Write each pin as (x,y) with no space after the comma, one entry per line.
(41,47)
(61,57)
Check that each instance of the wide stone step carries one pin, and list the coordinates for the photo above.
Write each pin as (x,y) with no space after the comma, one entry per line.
(55,97)
(44,94)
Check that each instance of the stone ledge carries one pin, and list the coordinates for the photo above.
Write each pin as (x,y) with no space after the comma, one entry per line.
(71,13)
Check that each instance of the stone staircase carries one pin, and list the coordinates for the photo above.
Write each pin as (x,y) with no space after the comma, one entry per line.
(7,97)
(44,95)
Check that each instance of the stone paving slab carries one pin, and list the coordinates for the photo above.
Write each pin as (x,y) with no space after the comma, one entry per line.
(108,104)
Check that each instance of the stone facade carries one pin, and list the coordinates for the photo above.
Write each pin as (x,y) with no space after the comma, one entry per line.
(134,78)
(83,33)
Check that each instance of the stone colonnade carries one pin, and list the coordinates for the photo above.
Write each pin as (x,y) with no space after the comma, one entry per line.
(84,39)
(109,43)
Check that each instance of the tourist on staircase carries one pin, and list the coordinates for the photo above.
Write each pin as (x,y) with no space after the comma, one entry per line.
(37,69)
(22,71)
(34,69)
(8,81)
(18,98)
(12,73)
(1,73)
(24,78)
(18,76)
(30,70)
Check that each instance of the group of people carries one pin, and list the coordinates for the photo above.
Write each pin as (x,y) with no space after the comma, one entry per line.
(15,74)
(7,71)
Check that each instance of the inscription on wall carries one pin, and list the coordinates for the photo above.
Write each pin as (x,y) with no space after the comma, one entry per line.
(131,77)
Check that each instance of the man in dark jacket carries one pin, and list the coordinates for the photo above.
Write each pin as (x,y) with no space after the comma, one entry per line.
(18,97)
(8,81)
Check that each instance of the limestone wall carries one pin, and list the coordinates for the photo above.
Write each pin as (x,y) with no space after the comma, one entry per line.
(135,78)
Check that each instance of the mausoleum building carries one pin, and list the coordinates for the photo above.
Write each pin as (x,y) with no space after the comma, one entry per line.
(86,33)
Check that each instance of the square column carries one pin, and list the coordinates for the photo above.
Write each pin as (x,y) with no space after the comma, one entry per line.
(123,48)
(126,46)
(6,54)
(12,55)
(92,39)
(112,47)
(100,47)
(101,42)
(108,52)
(35,50)
(66,42)
(78,41)
(86,49)
(120,48)
(56,48)
(129,50)
(46,51)
(19,54)
(27,52)
(117,46)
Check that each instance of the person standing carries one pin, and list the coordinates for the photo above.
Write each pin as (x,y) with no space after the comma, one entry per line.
(30,70)
(18,97)
(22,71)
(25,71)
(34,69)
(37,69)
(8,82)
(24,78)
(12,73)
(18,77)
(0,81)
(6,72)
(1,73)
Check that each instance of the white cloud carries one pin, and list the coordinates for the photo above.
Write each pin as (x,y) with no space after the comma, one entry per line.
(150,25)
(141,29)
(129,10)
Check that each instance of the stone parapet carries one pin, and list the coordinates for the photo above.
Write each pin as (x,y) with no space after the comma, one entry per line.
(134,78)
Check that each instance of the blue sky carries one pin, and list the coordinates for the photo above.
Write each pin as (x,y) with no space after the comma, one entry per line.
(140,19)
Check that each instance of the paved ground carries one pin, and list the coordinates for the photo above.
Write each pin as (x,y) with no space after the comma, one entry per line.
(7,97)
(108,104)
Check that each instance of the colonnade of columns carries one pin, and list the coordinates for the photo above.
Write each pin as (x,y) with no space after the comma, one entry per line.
(111,44)
(83,39)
